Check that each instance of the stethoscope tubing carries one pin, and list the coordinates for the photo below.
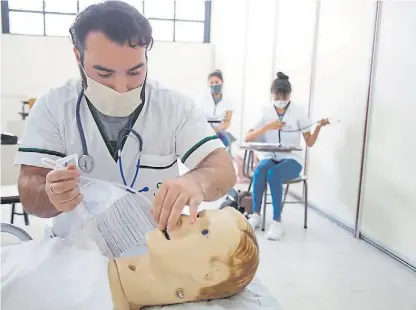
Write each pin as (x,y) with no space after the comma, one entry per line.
(125,132)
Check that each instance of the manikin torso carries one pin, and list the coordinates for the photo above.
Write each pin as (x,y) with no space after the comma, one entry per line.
(167,274)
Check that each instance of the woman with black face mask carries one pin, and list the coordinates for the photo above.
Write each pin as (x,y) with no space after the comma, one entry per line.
(218,107)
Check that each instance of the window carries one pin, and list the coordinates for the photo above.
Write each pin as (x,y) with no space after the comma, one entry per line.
(171,20)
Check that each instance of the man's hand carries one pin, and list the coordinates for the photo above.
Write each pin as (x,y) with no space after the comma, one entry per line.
(62,188)
(274,125)
(172,197)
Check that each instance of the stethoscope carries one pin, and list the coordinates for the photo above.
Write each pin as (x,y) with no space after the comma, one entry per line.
(86,163)
(281,116)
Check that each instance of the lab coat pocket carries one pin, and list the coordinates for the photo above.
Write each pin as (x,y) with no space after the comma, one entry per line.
(154,170)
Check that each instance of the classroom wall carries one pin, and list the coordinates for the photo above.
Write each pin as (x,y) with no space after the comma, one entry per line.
(389,202)
(340,91)
(228,32)
(27,71)
(334,82)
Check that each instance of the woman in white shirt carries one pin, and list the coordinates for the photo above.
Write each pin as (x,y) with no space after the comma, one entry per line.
(216,106)
(282,122)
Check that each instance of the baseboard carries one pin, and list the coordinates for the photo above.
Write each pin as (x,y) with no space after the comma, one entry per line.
(330,217)
(363,236)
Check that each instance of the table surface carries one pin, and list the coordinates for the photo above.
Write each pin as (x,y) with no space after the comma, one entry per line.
(267,147)
(9,194)
(215,119)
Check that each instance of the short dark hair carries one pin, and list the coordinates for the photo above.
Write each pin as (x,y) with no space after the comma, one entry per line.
(119,21)
(281,85)
(216,73)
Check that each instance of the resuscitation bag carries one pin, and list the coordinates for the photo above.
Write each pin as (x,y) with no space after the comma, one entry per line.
(242,201)
(115,216)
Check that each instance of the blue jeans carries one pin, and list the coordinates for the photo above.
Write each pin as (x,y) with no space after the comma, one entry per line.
(275,173)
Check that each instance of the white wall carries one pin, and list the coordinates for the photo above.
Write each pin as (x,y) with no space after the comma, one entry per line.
(340,91)
(389,204)
(228,34)
(259,57)
(32,64)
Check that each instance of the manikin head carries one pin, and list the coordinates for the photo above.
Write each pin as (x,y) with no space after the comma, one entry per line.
(216,257)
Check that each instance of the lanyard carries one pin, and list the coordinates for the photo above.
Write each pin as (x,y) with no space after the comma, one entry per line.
(281,116)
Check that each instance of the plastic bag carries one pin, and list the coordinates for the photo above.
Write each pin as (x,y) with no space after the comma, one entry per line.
(116,217)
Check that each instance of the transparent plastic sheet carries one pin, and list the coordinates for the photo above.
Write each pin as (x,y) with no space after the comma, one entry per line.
(116,217)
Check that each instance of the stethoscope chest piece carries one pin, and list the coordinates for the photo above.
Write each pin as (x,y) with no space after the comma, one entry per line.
(86,163)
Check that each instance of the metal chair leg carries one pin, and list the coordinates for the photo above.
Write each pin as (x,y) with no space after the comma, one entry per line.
(250,185)
(12,215)
(305,194)
(263,224)
(26,217)
(285,195)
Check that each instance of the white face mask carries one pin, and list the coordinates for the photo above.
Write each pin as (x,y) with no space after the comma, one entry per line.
(280,104)
(111,102)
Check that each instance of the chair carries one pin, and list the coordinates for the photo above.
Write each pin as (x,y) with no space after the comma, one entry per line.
(247,172)
(301,179)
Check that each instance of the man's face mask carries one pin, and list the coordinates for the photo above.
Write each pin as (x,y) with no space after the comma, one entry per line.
(109,101)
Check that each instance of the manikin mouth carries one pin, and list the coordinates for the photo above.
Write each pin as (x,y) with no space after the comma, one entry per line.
(167,236)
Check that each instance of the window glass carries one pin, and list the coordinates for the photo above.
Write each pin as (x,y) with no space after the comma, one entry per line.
(189,32)
(29,5)
(58,25)
(61,6)
(26,23)
(83,4)
(190,9)
(162,30)
(159,8)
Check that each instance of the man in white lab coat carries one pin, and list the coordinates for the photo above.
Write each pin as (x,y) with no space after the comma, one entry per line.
(93,116)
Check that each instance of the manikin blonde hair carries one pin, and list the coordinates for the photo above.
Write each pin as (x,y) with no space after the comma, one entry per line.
(242,263)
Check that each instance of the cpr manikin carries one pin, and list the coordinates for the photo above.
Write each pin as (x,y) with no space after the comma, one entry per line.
(214,258)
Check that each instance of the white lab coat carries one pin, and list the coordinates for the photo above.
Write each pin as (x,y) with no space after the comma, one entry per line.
(296,120)
(170,125)
(212,110)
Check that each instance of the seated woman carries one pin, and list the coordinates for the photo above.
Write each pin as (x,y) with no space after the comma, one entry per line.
(282,122)
(215,105)
(214,258)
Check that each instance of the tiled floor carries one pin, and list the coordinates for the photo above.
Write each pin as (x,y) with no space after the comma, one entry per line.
(322,268)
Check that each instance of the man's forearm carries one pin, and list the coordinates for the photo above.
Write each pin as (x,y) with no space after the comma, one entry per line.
(215,175)
(33,196)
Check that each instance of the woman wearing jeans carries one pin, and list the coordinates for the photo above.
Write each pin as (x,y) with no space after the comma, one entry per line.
(282,122)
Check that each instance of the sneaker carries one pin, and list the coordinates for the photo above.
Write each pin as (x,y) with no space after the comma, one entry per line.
(255,221)
(275,231)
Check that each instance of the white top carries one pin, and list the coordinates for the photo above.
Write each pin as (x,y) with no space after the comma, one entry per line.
(295,119)
(170,125)
(54,274)
(212,110)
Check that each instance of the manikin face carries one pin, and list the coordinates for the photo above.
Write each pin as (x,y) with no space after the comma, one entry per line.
(190,257)
(189,248)
(121,68)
